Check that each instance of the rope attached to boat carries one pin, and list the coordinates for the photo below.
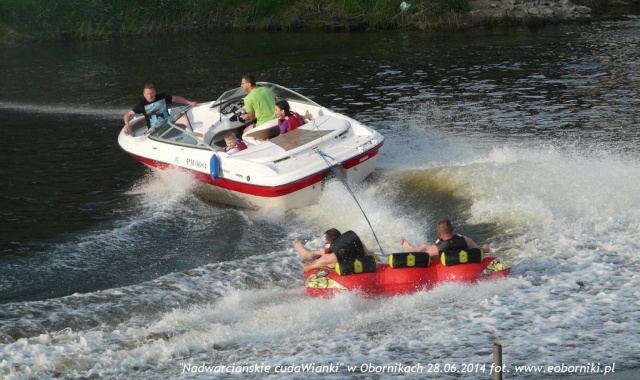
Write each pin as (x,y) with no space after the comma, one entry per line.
(344,182)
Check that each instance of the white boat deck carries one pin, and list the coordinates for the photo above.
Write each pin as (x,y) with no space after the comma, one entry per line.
(298,137)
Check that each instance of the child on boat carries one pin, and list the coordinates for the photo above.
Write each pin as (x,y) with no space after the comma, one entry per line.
(233,144)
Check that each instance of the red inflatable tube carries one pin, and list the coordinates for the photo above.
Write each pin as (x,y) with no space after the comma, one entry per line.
(387,281)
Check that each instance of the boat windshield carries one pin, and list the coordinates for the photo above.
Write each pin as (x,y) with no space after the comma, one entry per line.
(170,131)
(282,93)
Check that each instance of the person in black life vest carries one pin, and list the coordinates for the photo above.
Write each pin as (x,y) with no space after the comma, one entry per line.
(447,241)
(322,257)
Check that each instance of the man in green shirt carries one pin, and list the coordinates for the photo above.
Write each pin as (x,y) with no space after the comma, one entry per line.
(260,103)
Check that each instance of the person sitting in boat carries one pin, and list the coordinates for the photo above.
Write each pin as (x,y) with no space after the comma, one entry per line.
(154,107)
(233,144)
(325,257)
(259,104)
(447,241)
(287,120)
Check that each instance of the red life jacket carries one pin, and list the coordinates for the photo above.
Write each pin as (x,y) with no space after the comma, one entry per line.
(240,145)
(294,121)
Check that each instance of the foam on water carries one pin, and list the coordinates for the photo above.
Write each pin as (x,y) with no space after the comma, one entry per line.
(570,198)
(48,109)
(566,218)
(374,213)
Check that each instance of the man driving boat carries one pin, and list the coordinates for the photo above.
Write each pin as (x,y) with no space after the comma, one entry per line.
(259,104)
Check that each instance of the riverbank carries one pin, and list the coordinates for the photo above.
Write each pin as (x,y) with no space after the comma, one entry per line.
(532,12)
(44,20)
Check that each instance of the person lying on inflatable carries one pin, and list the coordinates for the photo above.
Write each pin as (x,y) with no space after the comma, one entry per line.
(325,257)
(447,242)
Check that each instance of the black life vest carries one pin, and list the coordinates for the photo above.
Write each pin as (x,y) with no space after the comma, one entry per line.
(456,251)
(351,256)
(454,245)
(347,247)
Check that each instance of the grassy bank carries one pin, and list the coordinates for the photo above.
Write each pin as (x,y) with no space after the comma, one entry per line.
(37,20)
(23,20)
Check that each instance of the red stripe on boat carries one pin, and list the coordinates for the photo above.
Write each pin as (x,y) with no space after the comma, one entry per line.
(361,158)
(257,190)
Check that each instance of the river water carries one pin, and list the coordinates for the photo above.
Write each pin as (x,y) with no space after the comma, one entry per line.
(526,138)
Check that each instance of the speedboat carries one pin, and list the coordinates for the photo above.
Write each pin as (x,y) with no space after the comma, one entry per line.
(275,170)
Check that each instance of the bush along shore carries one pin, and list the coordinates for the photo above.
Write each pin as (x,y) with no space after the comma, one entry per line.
(45,20)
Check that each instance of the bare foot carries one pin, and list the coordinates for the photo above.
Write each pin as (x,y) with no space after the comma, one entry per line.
(308,116)
(297,244)
(405,244)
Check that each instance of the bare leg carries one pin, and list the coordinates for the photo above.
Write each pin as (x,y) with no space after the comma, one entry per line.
(304,253)
(406,245)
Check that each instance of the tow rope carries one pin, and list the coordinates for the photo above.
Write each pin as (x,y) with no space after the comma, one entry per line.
(325,158)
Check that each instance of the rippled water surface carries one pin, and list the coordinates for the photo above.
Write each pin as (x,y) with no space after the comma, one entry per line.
(526,138)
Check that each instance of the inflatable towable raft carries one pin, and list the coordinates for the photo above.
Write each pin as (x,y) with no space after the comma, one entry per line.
(405,272)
